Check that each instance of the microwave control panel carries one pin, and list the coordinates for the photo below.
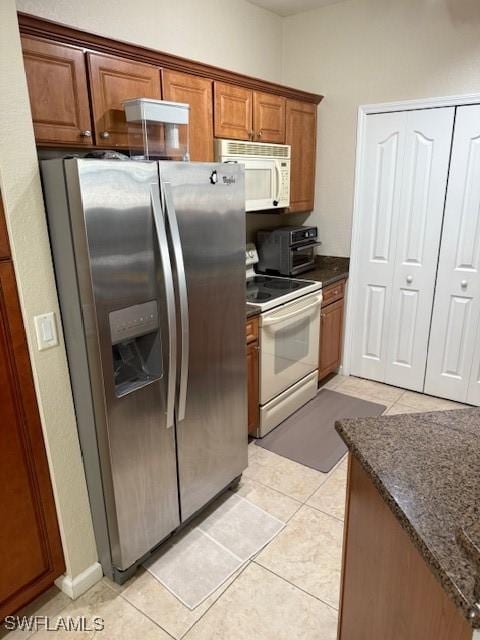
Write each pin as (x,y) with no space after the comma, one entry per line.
(284,187)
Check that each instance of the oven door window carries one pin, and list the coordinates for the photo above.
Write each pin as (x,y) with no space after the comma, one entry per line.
(291,345)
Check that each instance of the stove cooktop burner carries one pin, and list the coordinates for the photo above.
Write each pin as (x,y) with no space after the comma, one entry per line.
(264,288)
(258,296)
(285,285)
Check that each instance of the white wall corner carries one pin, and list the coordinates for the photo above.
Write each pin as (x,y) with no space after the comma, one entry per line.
(75,587)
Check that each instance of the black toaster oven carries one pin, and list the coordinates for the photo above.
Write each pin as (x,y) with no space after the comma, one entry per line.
(287,251)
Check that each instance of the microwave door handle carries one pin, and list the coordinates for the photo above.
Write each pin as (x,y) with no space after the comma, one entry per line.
(277,172)
(170,299)
(268,321)
(182,295)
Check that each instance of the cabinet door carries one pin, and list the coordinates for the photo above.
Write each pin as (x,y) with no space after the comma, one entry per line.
(301,135)
(401,199)
(30,547)
(57,84)
(233,112)
(112,81)
(198,93)
(453,369)
(331,331)
(268,117)
(252,385)
(4,244)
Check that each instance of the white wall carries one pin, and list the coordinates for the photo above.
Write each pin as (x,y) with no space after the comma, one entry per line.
(366,51)
(232,34)
(21,191)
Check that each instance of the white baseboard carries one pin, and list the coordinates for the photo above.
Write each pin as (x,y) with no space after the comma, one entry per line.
(75,587)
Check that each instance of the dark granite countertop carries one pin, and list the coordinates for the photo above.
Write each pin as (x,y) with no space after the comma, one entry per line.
(328,269)
(252,310)
(427,468)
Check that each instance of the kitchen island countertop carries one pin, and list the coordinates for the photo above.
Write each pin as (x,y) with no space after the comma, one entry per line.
(427,469)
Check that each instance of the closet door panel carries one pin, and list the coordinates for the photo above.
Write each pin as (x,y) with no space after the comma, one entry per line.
(379,198)
(454,354)
(428,139)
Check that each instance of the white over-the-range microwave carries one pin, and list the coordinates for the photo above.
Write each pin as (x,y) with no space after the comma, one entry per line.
(267,171)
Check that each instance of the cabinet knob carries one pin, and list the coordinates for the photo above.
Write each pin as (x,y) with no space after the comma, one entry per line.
(259,134)
(409,279)
(464,284)
(251,134)
(104,135)
(86,133)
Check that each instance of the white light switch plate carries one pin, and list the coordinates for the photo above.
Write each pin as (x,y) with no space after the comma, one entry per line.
(46,330)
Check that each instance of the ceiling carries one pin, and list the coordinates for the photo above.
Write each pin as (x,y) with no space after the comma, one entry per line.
(290,7)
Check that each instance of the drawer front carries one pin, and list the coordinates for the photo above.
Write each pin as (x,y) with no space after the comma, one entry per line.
(333,292)
(252,330)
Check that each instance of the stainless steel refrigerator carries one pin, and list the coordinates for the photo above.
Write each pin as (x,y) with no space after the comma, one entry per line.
(150,267)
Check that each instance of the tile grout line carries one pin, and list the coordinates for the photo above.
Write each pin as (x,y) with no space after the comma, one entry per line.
(311,595)
(241,570)
(325,513)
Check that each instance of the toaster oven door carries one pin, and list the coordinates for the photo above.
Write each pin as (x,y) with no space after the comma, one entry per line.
(302,258)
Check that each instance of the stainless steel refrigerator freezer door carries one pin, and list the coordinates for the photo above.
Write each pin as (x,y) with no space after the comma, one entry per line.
(126,285)
(207,202)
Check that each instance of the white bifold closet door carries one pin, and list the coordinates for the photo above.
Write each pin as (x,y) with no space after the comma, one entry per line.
(453,368)
(401,200)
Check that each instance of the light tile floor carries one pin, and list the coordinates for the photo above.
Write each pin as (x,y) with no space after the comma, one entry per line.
(289,590)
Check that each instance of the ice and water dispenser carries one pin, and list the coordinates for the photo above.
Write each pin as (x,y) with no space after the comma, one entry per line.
(136,347)
(157,129)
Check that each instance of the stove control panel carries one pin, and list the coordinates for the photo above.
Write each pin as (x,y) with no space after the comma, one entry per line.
(251,255)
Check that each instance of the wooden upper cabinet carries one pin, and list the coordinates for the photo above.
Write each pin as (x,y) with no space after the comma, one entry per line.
(233,111)
(301,135)
(198,93)
(57,84)
(112,81)
(268,117)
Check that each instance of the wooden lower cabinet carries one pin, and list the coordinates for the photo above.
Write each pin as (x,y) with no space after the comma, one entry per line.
(388,591)
(253,375)
(331,329)
(31,555)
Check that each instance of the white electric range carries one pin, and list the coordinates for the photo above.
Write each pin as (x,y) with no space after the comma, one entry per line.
(289,341)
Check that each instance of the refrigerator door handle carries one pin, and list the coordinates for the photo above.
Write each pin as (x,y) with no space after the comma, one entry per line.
(183,297)
(170,299)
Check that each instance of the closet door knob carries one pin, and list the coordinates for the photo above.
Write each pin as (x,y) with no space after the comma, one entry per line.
(464,284)
(409,279)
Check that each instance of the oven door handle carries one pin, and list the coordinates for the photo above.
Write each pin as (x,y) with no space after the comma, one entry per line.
(266,322)
(317,243)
